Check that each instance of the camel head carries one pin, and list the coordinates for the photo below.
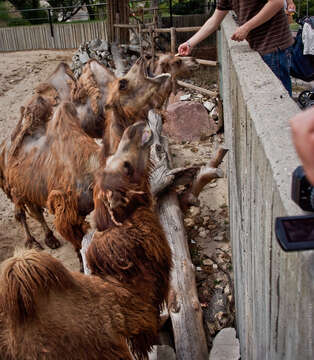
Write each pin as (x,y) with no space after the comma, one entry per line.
(122,185)
(135,91)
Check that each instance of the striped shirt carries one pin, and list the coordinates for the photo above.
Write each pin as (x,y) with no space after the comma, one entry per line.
(266,38)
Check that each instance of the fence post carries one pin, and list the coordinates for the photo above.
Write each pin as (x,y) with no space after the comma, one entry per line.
(140,39)
(173,40)
(50,22)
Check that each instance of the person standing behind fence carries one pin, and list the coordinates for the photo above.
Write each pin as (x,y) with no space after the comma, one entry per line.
(263,24)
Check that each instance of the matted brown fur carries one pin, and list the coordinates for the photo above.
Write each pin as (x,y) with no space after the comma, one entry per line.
(133,249)
(87,87)
(54,169)
(48,313)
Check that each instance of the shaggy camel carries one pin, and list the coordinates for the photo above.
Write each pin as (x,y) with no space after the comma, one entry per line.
(98,89)
(130,244)
(49,313)
(178,67)
(120,112)
(50,161)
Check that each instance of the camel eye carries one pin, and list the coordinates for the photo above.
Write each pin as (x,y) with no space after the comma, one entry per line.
(179,62)
(128,168)
(123,84)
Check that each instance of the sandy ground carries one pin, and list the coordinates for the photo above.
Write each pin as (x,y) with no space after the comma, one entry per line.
(207,225)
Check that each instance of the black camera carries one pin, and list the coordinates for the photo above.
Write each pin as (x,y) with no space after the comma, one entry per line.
(302,192)
(297,232)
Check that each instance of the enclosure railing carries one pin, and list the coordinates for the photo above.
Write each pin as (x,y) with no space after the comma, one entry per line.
(274,290)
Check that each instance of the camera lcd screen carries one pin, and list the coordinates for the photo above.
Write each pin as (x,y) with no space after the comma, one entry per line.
(299,230)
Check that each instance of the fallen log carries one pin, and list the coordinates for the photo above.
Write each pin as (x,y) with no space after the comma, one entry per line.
(183,304)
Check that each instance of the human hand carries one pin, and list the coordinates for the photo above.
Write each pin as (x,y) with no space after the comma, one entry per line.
(185,49)
(241,33)
(291,7)
(302,126)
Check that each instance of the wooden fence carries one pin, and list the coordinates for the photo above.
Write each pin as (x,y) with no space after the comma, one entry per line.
(66,36)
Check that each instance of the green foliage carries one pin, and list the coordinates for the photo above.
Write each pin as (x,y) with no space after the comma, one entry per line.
(303,7)
(10,19)
(33,16)
(188,7)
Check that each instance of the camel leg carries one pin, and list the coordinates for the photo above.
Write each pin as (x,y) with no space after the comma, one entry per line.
(20,216)
(37,213)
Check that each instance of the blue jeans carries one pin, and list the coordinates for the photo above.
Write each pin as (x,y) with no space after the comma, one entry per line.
(280,62)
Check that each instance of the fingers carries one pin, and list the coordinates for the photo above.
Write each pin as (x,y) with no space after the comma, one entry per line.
(184,49)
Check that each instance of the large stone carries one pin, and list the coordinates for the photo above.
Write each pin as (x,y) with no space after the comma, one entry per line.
(162,352)
(188,121)
(225,346)
(173,98)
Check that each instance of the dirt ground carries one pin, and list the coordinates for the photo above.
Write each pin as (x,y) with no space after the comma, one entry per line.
(207,225)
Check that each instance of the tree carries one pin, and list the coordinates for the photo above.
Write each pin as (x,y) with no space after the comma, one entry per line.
(33,14)
(68,8)
(187,7)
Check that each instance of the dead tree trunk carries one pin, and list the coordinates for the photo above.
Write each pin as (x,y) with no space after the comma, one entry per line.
(184,307)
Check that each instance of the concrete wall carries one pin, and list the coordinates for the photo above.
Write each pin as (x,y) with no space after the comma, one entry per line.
(274,289)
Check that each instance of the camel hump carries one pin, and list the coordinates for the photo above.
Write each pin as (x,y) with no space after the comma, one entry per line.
(26,277)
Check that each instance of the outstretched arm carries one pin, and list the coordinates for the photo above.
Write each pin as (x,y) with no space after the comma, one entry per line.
(209,27)
(267,12)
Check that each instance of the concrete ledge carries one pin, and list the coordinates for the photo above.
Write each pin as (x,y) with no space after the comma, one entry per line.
(274,289)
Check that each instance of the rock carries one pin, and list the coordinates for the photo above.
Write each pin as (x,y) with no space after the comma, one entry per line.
(162,352)
(207,262)
(219,238)
(214,114)
(212,185)
(84,58)
(194,211)
(209,105)
(225,346)
(185,97)
(175,98)
(93,44)
(189,222)
(188,121)
(203,234)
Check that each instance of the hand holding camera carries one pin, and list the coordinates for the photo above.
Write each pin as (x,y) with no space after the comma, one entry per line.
(297,232)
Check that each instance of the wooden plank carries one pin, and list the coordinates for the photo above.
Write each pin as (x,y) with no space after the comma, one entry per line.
(207,62)
(197,88)
(179,29)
